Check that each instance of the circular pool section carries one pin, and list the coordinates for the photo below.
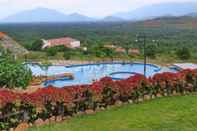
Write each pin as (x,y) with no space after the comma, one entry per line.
(122,75)
(87,73)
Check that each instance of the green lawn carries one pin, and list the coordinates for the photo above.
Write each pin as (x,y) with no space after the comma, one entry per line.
(164,114)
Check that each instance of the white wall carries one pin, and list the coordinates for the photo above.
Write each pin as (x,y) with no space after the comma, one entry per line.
(75,44)
(45,44)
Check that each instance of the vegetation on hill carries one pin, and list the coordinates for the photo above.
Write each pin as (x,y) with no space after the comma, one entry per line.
(11,46)
(166,35)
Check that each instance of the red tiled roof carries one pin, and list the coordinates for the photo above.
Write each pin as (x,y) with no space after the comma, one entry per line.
(2,34)
(61,41)
(120,50)
(134,51)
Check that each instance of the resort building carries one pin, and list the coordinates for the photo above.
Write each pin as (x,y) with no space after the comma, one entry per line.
(118,49)
(134,51)
(65,41)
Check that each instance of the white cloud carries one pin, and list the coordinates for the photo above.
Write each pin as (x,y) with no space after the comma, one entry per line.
(96,8)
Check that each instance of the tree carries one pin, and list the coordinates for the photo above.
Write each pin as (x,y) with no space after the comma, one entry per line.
(109,52)
(51,51)
(36,45)
(183,53)
(151,51)
(13,74)
(67,53)
(127,46)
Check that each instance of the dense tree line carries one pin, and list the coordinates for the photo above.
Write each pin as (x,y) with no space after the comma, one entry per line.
(168,38)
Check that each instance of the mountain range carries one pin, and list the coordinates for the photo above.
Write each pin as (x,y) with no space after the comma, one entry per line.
(159,10)
(45,15)
(143,13)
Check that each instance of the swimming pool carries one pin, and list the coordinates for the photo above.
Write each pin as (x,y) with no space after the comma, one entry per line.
(87,73)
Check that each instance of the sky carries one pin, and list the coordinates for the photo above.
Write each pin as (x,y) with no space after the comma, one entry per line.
(92,8)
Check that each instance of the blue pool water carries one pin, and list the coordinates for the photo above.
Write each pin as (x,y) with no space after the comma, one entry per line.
(86,74)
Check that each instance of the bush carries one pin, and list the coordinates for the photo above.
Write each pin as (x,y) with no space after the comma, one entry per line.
(13,74)
(51,51)
(36,45)
(70,100)
(67,54)
(151,51)
(183,53)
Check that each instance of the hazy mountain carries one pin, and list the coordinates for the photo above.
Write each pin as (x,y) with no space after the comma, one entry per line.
(194,14)
(157,10)
(112,19)
(143,13)
(79,18)
(45,15)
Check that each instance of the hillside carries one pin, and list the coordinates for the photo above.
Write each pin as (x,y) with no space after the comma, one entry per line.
(175,22)
(11,45)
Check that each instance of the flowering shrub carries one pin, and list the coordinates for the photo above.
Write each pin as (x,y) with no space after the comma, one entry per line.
(51,101)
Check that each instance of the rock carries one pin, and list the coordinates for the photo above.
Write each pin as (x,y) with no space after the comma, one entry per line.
(39,122)
(11,129)
(102,108)
(98,109)
(52,119)
(30,124)
(66,118)
(153,96)
(39,110)
(174,93)
(58,118)
(80,113)
(159,95)
(147,97)
(109,107)
(165,94)
(140,100)
(22,127)
(89,112)
(46,122)
(118,103)
(130,101)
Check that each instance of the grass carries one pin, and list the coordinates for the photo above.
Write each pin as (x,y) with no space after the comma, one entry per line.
(164,114)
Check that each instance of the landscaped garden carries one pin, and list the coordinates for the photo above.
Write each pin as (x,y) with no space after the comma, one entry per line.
(163,114)
(91,102)
(49,105)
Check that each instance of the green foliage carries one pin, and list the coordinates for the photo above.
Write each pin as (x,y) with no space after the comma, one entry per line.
(67,54)
(183,53)
(51,51)
(151,51)
(102,52)
(36,45)
(13,74)
(167,37)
